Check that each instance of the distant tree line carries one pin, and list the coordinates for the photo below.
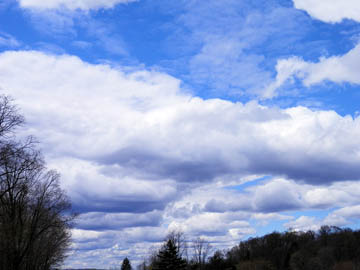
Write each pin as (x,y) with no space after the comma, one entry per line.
(330,248)
(35,213)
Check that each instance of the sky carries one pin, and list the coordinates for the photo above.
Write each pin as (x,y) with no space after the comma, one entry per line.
(223,119)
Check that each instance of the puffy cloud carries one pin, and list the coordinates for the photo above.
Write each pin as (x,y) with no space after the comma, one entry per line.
(130,143)
(343,216)
(71,4)
(266,199)
(331,11)
(139,125)
(338,69)
(304,223)
(220,229)
(327,196)
(104,248)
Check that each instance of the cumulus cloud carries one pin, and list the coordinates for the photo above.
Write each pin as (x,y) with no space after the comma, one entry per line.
(267,197)
(70,4)
(130,143)
(331,11)
(340,217)
(337,69)
(344,216)
(139,124)
(266,200)
(304,223)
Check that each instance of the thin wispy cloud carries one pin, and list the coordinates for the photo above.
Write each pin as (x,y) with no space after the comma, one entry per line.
(72,5)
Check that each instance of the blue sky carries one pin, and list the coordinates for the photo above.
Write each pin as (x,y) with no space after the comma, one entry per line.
(223,119)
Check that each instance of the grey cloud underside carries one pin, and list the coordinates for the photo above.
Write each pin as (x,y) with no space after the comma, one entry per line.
(88,204)
(264,199)
(315,170)
(103,221)
(261,159)
(158,166)
(219,206)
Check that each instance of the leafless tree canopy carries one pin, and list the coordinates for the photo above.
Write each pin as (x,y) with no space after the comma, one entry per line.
(201,249)
(9,116)
(35,213)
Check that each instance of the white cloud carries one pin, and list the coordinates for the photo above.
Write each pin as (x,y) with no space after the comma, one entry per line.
(267,199)
(338,69)
(71,4)
(139,125)
(304,223)
(344,216)
(327,196)
(103,249)
(331,11)
(130,142)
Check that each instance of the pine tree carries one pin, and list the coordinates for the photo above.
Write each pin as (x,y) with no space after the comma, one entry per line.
(169,258)
(126,264)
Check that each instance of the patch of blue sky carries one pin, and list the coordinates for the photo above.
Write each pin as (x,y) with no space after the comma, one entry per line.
(13,22)
(320,214)
(322,96)
(268,227)
(252,183)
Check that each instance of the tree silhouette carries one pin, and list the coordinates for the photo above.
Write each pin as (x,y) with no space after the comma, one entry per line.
(126,264)
(35,213)
(168,258)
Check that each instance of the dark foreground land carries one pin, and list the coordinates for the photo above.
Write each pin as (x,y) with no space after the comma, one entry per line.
(330,248)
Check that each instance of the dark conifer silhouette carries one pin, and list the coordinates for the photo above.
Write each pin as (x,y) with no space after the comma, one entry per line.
(126,264)
(169,258)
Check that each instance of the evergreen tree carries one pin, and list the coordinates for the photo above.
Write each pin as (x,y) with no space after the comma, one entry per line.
(126,264)
(169,258)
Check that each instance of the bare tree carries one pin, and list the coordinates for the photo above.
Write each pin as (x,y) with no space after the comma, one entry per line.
(9,116)
(35,213)
(201,250)
(179,239)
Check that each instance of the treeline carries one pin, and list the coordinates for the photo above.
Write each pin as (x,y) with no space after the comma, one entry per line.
(330,248)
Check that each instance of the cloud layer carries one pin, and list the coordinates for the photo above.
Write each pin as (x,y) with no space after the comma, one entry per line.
(141,155)
(331,11)
(139,124)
